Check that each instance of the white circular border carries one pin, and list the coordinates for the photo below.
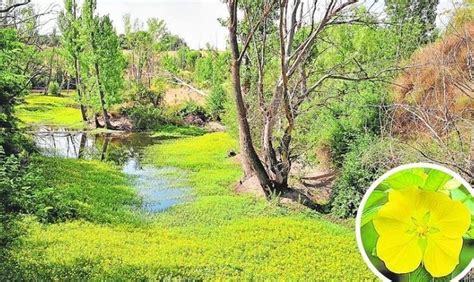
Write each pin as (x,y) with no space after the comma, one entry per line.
(372,188)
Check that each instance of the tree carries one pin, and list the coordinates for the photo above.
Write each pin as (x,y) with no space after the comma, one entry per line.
(13,86)
(106,58)
(69,24)
(170,42)
(414,21)
(281,85)
(142,43)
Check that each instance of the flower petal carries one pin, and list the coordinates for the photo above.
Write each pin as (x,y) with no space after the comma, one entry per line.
(395,216)
(442,254)
(400,252)
(451,218)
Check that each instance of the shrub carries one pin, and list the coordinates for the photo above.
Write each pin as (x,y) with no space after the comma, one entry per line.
(18,185)
(146,117)
(140,93)
(191,108)
(368,159)
(54,89)
(216,101)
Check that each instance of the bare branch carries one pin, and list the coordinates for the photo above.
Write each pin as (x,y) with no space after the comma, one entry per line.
(14,6)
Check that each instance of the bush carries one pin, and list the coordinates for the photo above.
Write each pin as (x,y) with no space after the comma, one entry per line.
(368,159)
(18,185)
(54,89)
(146,117)
(216,101)
(141,94)
(191,108)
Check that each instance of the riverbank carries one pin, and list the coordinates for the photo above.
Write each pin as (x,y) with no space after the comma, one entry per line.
(40,110)
(217,235)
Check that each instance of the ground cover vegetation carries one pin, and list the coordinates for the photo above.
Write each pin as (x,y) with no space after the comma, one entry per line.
(334,86)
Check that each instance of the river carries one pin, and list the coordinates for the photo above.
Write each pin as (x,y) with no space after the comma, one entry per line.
(157,186)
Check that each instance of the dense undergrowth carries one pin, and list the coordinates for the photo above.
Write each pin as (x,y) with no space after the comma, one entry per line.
(217,235)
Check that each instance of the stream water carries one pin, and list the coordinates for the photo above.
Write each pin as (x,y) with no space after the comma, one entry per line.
(157,186)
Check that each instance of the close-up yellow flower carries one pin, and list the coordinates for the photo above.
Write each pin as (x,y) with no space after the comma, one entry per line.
(417,226)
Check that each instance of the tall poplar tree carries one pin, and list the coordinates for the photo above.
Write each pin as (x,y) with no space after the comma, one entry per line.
(106,58)
(69,24)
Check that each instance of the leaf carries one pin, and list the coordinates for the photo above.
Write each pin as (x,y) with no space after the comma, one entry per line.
(372,206)
(369,240)
(369,214)
(376,198)
(470,233)
(460,194)
(412,178)
(452,184)
(436,180)
(419,275)
(465,258)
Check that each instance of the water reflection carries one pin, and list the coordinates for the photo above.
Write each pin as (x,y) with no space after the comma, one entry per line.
(124,149)
(115,147)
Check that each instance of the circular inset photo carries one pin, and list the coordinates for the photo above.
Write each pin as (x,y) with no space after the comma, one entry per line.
(415,223)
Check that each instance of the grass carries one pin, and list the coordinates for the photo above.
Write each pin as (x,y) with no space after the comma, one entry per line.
(89,190)
(173,131)
(51,111)
(219,235)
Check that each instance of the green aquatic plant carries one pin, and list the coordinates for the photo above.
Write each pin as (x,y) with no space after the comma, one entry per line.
(219,235)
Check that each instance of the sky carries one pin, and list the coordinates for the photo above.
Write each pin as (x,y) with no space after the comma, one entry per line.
(194,20)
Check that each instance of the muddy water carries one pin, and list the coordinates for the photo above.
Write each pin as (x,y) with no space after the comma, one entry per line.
(160,188)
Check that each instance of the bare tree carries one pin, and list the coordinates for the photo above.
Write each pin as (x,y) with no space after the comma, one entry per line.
(299,30)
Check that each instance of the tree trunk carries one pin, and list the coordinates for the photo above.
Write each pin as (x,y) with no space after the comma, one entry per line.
(50,73)
(108,125)
(82,145)
(105,147)
(77,68)
(250,160)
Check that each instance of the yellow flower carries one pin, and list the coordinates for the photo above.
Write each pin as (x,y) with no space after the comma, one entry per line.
(421,226)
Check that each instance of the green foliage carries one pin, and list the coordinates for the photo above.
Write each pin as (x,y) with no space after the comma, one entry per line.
(169,63)
(191,108)
(173,131)
(186,58)
(462,16)
(13,84)
(52,111)
(345,110)
(170,42)
(18,185)
(103,62)
(139,93)
(413,23)
(218,235)
(54,89)
(89,190)
(368,158)
(111,61)
(146,117)
(216,101)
